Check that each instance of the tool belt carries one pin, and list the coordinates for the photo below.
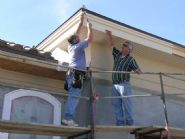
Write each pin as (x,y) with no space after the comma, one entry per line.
(77,78)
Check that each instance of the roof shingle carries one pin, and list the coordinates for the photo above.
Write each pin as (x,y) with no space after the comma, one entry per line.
(26,51)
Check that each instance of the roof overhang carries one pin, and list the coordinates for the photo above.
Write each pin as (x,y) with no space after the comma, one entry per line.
(24,64)
(100,24)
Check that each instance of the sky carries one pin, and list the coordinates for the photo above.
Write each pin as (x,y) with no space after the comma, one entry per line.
(28,22)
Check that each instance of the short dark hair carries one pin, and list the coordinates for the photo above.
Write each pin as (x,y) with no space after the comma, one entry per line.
(72,39)
(128,44)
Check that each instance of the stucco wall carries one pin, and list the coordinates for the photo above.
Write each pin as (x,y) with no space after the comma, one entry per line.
(149,60)
(4,90)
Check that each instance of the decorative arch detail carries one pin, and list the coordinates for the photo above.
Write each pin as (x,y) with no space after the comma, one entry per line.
(21,93)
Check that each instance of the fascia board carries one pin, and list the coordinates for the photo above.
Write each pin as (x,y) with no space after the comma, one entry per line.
(178,51)
(60,34)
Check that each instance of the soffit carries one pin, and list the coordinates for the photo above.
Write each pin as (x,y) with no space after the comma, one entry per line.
(100,39)
(159,56)
(141,50)
(31,69)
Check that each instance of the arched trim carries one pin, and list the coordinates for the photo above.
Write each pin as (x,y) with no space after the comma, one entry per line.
(26,93)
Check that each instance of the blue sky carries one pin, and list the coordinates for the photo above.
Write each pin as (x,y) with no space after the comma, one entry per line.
(28,22)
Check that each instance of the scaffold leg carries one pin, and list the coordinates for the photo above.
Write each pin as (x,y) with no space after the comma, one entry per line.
(149,133)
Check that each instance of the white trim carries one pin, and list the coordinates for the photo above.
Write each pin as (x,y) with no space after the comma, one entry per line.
(130,34)
(60,37)
(21,93)
(58,33)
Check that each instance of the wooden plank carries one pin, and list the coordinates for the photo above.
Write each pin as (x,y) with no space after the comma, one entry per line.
(59,130)
(40,129)
(147,129)
(174,132)
(37,70)
(126,129)
(177,132)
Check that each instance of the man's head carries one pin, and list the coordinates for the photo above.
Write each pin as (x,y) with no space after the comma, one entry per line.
(127,48)
(73,39)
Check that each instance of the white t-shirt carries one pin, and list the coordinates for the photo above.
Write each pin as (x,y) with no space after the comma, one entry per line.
(77,55)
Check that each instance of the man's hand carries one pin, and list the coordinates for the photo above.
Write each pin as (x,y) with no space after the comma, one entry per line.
(110,40)
(78,30)
(138,71)
(89,32)
(82,17)
(89,25)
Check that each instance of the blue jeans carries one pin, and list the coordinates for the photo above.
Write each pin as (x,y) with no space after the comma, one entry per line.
(122,106)
(72,102)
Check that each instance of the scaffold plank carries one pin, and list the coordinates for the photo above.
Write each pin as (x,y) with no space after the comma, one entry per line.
(40,129)
(107,128)
(174,132)
(178,132)
(59,130)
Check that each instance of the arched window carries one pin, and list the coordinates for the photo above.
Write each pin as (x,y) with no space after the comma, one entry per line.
(31,106)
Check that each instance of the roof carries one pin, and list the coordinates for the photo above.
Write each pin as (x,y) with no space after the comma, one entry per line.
(117,22)
(25,51)
(23,59)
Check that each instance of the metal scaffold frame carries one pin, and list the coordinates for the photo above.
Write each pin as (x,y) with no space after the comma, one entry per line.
(89,132)
(140,132)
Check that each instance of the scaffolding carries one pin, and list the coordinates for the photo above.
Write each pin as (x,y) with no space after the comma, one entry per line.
(140,132)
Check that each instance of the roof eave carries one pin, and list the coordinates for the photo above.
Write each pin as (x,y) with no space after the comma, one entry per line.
(169,43)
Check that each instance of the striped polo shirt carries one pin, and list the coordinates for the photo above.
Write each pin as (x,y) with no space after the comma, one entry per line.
(126,63)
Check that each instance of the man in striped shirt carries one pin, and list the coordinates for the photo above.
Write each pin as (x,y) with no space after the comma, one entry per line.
(123,61)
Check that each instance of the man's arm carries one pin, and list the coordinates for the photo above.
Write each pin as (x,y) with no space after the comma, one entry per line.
(134,66)
(89,32)
(110,40)
(78,30)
